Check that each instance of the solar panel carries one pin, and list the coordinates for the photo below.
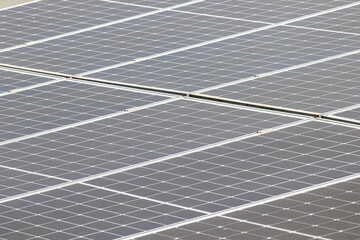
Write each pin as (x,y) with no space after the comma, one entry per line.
(60,104)
(321,87)
(343,20)
(74,212)
(234,59)
(323,213)
(264,11)
(150,3)
(123,42)
(179,120)
(248,170)
(133,138)
(14,182)
(225,228)
(10,81)
(44,19)
(351,114)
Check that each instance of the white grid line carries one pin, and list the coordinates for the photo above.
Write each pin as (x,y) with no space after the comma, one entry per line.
(266,74)
(221,39)
(99,26)
(84,122)
(69,183)
(343,109)
(162,159)
(276,228)
(130,4)
(304,190)
(18,5)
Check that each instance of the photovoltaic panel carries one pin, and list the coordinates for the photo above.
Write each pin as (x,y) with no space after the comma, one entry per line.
(233,59)
(42,19)
(124,41)
(84,212)
(62,103)
(13,80)
(133,138)
(151,3)
(350,114)
(262,10)
(330,212)
(248,170)
(94,161)
(14,182)
(225,228)
(325,213)
(345,20)
(320,87)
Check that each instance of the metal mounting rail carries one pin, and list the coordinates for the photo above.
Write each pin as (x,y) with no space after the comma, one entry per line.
(154,90)
(94,80)
(256,105)
(341,119)
(275,108)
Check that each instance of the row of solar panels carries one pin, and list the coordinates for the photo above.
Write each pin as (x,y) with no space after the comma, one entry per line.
(199,53)
(167,161)
(95,161)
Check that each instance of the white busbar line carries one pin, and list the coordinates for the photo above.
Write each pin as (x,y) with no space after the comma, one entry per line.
(277,228)
(266,74)
(20,4)
(245,206)
(87,121)
(132,61)
(99,26)
(143,164)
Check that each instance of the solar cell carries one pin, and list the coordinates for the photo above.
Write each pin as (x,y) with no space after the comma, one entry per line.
(84,211)
(325,213)
(329,212)
(233,59)
(151,3)
(321,87)
(62,103)
(225,228)
(345,20)
(197,120)
(14,80)
(262,10)
(134,138)
(248,170)
(14,182)
(43,19)
(124,41)
(351,114)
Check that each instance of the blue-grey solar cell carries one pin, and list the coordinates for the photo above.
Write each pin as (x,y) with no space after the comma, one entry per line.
(351,114)
(84,211)
(14,182)
(62,103)
(152,3)
(133,138)
(12,80)
(225,228)
(346,20)
(326,213)
(124,41)
(248,170)
(320,87)
(263,10)
(331,212)
(68,170)
(49,18)
(234,59)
